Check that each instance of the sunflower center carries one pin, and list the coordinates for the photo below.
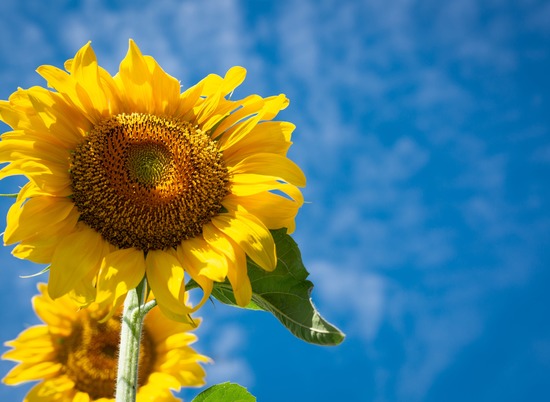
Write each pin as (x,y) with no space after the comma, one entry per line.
(147,182)
(147,163)
(90,356)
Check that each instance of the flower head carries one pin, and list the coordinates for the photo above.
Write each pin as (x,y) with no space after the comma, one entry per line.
(74,354)
(128,178)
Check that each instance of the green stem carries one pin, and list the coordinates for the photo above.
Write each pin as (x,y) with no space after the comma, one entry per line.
(130,337)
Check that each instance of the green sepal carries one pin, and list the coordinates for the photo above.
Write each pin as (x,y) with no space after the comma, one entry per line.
(35,274)
(142,292)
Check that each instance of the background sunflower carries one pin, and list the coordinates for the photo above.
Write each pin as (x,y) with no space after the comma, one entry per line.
(74,354)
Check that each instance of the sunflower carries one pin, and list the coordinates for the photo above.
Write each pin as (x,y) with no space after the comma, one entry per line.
(74,354)
(129,178)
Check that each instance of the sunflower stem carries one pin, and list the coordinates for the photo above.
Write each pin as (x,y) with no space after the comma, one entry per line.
(130,338)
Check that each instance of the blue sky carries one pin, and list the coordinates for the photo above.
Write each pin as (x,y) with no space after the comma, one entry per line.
(423,128)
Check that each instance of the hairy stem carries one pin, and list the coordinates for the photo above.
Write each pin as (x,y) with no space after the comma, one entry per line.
(130,337)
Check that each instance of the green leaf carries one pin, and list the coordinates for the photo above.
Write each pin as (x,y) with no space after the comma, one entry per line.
(285,293)
(225,392)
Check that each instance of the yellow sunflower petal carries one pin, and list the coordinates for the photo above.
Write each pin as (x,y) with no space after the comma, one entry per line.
(248,184)
(19,112)
(251,235)
(147,87)
(121,271)
(223,109)
(31,346)
(31,148)
(50,178)
(163,380)
(59,315)
(238,277)
(188,373)
(106,82)
(32,353)
(63,122)
(183,372)
(271,107)
(85,70)
(38,371)
(210,85)
(275,211)
(83,86)
(188,99)
(203,260)
(81,397)
(29,190)
(76,256)
(84,291)
(31,217)
(178,340)
(31,252)
(40,247)
(40,112)
(212,110)
(196,258)
(59,389)
(133,80)
(271,165)
(243,109)
(268,136)
(67,85)
(236,258)
(164,328)
(166,278)
(152,392)
(233,78)
(166,88)
(14,118)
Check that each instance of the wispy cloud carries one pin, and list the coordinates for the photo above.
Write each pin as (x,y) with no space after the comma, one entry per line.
(399,108)
(359,297)
(227,347)
(374,208)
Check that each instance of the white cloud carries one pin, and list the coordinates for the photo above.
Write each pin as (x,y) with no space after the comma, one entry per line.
(431,328)
(373,216)
(538,17)
(19,34)
(355,294)
(227,347)
(188,38)
(436,341)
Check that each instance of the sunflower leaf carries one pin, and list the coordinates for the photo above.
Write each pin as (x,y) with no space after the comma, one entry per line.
(285,293)
(225,392)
